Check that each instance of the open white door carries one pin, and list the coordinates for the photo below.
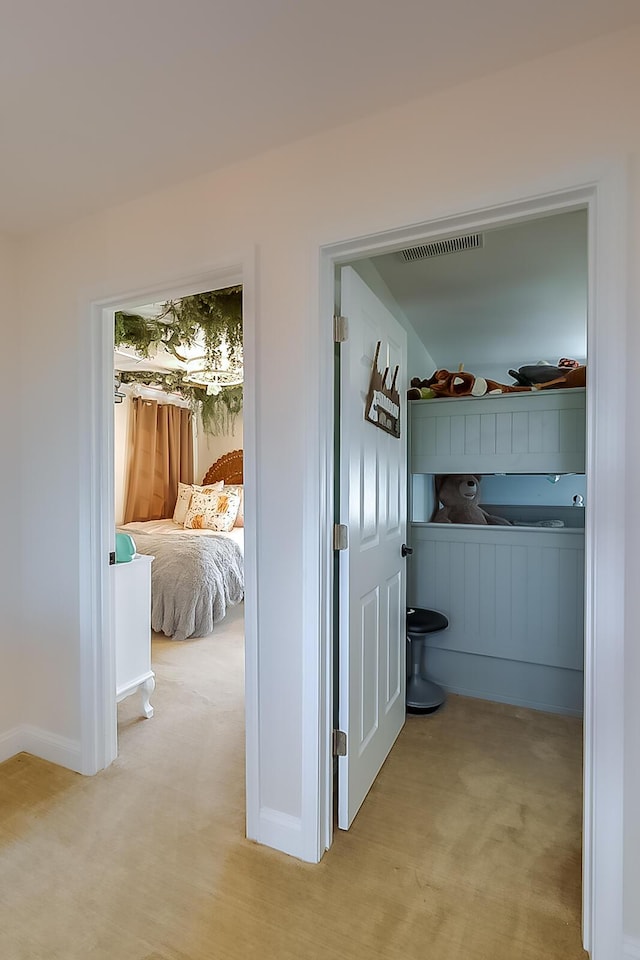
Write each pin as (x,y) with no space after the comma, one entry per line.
(372,583)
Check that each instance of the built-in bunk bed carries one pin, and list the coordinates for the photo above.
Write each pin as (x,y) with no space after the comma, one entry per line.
(513,594)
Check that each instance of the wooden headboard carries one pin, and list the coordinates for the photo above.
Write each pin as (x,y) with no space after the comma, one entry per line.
(227,468)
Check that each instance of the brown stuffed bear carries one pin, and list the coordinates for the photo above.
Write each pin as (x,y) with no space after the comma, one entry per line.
(460,494)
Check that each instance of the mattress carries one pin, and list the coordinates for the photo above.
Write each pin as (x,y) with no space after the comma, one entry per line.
(172,529)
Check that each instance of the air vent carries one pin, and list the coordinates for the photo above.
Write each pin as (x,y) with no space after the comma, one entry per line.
(439,248)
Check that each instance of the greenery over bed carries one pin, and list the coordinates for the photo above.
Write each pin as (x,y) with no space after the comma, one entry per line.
(216,318)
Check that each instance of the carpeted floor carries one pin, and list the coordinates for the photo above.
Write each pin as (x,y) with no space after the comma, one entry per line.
(467,848)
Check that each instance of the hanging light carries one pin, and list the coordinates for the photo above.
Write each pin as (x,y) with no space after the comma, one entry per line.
(213,379)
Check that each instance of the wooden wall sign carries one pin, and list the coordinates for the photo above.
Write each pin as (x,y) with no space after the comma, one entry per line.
(383,403)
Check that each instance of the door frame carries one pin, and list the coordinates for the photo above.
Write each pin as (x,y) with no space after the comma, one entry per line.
(97,655)
(603,192)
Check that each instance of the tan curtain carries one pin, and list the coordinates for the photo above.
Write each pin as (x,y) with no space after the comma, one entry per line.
(161,456)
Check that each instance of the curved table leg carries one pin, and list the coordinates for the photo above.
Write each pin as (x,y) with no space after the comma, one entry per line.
(146,690)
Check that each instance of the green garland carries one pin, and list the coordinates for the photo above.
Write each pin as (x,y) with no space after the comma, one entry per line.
(218,412)
(218,315)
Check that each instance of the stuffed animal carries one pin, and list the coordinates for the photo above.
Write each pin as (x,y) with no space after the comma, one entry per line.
(444,383)
(459,494)
(546,376)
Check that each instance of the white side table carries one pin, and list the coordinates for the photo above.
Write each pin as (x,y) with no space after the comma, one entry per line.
(133,630)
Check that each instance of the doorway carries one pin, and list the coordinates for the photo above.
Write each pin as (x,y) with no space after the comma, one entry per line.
(602,663)
(98,664)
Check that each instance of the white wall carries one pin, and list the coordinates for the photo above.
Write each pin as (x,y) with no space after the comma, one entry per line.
(421,364)
(499,138)
(533,490)
(210,447)
(10,640)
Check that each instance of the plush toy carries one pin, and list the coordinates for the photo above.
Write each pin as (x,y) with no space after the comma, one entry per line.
(576,377)
(546,376)
(459,494)
(444,383)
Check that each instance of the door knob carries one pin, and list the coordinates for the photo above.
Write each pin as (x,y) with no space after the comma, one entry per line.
(406,551)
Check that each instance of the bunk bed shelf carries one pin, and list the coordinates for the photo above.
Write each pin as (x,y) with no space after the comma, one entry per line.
(538,432)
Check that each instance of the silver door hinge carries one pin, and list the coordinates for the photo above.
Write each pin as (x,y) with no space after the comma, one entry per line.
(340,329)
(339,743)
(340,536)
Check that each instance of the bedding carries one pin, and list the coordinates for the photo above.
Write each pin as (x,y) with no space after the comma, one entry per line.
(195,576)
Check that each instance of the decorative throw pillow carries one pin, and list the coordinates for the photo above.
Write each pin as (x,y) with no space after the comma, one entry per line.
(212,511)
(239,489)
(185,490)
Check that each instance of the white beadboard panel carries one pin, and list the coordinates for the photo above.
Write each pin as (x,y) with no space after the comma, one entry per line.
(538,432)
(508,592)
(531,685)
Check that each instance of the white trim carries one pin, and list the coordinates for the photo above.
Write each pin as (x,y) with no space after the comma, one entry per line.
(41,743)
(631,949)
(97,655)
(51,747)
(282,832)
(604,191)
(10,743)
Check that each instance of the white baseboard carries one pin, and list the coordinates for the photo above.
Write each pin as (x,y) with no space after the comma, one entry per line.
(631,949)
(10,743)
(41,743)
(50,746)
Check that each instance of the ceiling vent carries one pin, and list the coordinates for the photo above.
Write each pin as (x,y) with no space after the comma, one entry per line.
(472,241)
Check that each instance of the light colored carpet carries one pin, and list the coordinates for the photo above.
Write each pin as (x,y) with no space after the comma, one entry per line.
(467,848)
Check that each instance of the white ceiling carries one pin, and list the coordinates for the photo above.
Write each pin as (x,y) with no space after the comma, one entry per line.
(519,299)
(101,101)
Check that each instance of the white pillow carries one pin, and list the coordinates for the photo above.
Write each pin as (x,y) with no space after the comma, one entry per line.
(239,489)
(185,491)
(212,511)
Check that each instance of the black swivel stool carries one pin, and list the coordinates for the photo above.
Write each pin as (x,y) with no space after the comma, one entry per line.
(423,695)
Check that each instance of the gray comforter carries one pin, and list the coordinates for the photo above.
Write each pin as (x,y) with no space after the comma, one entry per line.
(193,580)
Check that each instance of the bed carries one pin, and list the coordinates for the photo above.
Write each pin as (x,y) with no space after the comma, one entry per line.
(196,574)
(514,595)
(538,432)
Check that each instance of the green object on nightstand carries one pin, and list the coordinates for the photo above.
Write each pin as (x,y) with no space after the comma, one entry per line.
(125,548)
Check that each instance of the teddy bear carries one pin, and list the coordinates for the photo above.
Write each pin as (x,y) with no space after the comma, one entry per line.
(459,494)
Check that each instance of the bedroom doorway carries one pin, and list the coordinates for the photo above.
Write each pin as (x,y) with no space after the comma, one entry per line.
(178,478)
(173,443)
(595,835)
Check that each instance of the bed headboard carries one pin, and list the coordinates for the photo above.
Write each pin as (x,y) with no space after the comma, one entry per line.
(227,467)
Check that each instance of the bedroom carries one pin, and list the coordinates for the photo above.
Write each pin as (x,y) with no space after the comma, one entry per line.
(178,491)
(508,662)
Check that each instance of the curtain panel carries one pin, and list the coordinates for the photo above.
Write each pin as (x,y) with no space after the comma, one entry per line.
(161,457)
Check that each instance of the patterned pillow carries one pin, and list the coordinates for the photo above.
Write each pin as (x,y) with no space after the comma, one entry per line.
(212,511)
(185,491)
(239,489)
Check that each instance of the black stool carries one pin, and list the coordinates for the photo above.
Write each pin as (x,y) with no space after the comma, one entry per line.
(423,695)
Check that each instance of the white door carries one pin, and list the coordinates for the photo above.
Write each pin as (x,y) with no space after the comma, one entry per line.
(371,582)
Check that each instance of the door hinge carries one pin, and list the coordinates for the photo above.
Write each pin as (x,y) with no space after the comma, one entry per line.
(340,329)
(339,743)
(340,536)
(112,558)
